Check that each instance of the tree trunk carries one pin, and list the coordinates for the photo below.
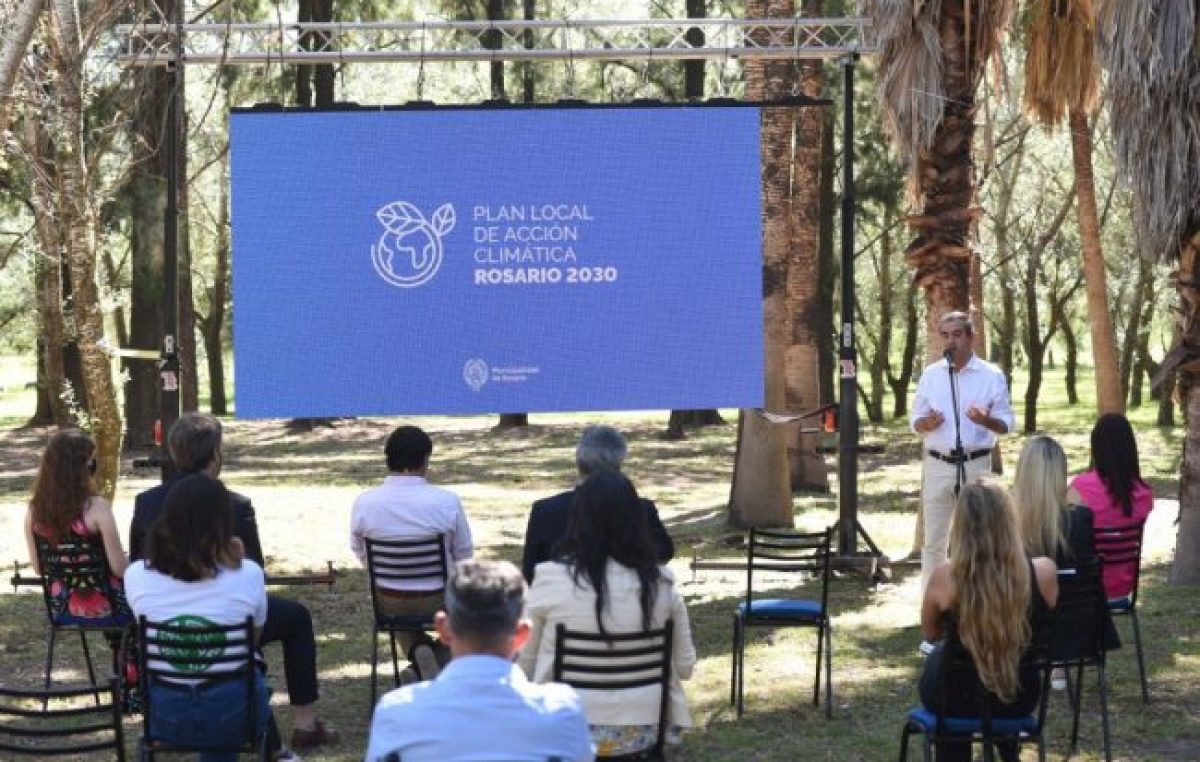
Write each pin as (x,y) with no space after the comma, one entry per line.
(1166,392)
(760,493)
(908,357)
(513,420)
(13,45)
(1109,398)
(212,326)
(493,41)
(1072,362)
(78,222)
(1186,568)
(802,368)
(1134,324)
(146,192)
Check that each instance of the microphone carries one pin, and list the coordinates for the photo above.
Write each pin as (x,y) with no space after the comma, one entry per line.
(949,355)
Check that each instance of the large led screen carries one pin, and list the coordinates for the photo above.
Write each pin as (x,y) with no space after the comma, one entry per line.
(496,260)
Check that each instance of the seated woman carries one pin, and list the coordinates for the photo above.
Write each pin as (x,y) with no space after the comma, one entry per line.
(991,598)
(1114,490)
(608,579)
(66,507)
(1052,521)
(194,569)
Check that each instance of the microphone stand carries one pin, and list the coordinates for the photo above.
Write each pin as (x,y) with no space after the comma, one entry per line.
(960,457)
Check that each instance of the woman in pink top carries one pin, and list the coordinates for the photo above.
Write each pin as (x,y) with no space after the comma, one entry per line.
(1114,489)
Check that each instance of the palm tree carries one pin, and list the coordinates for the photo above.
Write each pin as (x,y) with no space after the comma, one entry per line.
(1061,80)
(932,62)
(1152,53)
(933,59)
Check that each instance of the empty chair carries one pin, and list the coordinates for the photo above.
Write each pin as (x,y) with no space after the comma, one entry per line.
(789,552)
(66,725)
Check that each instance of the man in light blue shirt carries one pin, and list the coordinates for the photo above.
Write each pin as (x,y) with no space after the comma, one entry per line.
(481,707)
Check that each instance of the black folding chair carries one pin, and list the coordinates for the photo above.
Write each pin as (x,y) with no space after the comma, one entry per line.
(75,588)
(1121,547)
(64,726)
(805,553)
(1080,622)
(618,661)
(976,724)
(397,564)
(175,656)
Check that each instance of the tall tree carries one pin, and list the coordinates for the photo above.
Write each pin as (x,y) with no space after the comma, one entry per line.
(934,55)
(802,368)
(1061,81)
(1152,53)
(19,28)
(761,494)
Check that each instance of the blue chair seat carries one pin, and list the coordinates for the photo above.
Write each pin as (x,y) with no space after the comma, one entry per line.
(961,726)
(1120,604)
(782,608)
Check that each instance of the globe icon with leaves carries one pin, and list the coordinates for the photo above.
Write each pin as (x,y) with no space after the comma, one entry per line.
(410,250)
(185,648)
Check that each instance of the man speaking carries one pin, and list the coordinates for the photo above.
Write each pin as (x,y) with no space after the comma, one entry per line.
(961,405)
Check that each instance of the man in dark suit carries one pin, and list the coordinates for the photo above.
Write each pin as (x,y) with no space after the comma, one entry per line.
(600,448)
(194,442)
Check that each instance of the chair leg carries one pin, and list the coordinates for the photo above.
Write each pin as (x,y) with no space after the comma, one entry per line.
(49,664)
(87,658)
(733,665)
(926,748)
(819,665)
(1076,702)
(828,671)
(1141,661)
(741,680)
(1103,685)
(904,737)
(374,672)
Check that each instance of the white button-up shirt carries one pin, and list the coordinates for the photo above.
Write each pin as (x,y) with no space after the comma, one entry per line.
(980,384)
(406,507)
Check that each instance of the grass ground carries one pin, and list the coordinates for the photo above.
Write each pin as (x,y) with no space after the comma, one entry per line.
(303,486)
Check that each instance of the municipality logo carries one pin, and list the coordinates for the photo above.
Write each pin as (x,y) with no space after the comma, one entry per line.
(409,252)
(475,373)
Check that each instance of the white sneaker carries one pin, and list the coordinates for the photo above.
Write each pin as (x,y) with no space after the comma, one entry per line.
(1058,680)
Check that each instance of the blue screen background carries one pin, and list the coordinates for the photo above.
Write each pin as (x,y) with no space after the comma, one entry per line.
(674,197)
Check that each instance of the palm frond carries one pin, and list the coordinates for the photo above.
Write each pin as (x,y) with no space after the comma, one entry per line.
(1150,50)
(1060,60)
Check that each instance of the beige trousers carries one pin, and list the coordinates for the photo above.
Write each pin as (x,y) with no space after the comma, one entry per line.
(937,506)
(410,607)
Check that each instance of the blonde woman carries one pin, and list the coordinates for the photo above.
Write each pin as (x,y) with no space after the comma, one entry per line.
(1053,521)
(990,597)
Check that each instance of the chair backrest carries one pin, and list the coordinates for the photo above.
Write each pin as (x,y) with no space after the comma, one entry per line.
(76,585)
(617,661)
(398,563)
(61,721)
(1120,546)
(958,661)
(1080,618)
(186,650)
(789,551)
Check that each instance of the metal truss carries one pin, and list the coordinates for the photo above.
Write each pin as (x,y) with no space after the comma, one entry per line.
(239,43)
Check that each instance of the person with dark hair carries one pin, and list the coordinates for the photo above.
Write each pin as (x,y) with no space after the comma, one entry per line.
(983,413)
(194,571)
(600,448)
(407,507)
(67,507)
(1114,489)
(195,445)
(481,706)
(608,579)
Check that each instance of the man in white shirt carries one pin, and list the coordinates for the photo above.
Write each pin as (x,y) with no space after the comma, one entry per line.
(481,707)
(984,411)
(406,507)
